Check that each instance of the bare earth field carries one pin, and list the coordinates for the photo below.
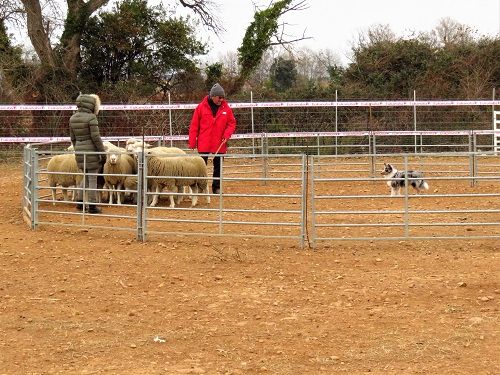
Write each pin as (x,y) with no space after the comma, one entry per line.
(78,301)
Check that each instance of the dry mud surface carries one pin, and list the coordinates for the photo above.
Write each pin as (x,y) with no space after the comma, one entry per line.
(96,301)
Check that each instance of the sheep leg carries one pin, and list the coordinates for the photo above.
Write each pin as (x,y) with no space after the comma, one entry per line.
(53,192)
(119,193)
(111,193)
(205,190)
(194,197)
(65,193)
(172,202)
(155,196)
(179,198)
(188,190)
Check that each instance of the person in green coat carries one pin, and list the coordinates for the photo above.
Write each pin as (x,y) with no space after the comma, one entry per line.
(85,137)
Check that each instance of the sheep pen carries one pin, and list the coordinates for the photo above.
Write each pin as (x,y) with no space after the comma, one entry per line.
(93,300)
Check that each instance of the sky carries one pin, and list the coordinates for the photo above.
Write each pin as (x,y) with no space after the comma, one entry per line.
(335,25)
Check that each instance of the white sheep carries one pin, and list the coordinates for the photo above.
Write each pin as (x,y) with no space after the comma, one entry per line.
(118,164)
(163,151)
(133,143)
(64,172)
(167,168)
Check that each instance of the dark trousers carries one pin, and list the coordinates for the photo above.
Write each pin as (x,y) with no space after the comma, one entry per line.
(217,169)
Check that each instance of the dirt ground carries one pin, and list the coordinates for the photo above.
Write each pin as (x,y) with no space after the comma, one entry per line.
(80,301)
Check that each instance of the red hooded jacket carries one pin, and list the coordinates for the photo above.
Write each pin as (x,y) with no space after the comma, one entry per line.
(206,132)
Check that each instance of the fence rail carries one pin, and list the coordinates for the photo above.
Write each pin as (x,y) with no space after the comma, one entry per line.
(304,198)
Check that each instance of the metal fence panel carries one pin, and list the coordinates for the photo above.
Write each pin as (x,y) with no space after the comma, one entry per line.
(319,198)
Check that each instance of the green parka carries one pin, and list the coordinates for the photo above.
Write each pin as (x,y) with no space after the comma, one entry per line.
(84,132)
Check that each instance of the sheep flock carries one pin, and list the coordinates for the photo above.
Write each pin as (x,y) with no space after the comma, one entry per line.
(167,168)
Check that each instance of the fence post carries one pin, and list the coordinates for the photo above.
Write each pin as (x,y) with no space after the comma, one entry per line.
(33,188)
(336,121)
(142,200)
(303,216)
(253,124)
(265,153)
(373,155)
(221,198)
(494,123)
(169,121)
(472,157)
(406,200)
(313,205)
(415,118)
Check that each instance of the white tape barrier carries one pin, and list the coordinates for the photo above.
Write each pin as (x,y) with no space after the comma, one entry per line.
(150,138)
(146,107)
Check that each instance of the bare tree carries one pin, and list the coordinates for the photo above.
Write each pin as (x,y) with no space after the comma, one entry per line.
(314,65)
(449,31)
(207,11)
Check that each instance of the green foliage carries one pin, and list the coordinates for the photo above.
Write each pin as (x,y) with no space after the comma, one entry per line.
(75,22)
(214,74)
(336,76)
(283,74)
(8,53)
(138,44)
(258,35)
(13,71)
(389,69)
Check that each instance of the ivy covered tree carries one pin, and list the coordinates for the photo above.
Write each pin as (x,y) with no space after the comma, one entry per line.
(263,34)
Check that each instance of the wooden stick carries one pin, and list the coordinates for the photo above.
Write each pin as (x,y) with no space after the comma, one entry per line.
(216,152)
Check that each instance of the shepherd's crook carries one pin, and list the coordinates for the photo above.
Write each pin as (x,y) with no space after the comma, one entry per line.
(223,141)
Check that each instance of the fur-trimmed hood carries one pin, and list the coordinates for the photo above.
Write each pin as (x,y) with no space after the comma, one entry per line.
(88,103)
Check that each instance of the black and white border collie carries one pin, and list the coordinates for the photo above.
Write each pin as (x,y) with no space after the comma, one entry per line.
(397,179)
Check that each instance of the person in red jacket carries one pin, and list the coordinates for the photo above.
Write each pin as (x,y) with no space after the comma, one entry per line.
(212,125)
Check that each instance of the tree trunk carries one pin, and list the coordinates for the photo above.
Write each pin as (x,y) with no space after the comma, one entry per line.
(37,33)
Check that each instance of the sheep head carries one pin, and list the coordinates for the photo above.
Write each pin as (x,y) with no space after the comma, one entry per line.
(113,158)
(134,145)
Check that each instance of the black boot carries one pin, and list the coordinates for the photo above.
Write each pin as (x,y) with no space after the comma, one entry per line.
(79,206)
(93,209)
